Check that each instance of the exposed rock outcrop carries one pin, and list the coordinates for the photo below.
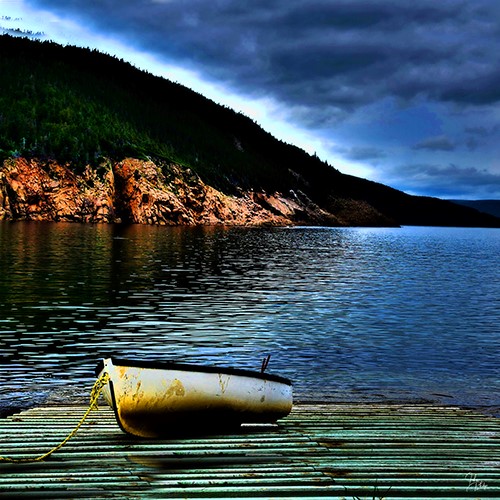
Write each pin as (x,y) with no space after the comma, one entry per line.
(137,191)
(47,191)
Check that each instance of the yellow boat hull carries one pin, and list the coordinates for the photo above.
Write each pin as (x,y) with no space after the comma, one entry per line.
(158,399)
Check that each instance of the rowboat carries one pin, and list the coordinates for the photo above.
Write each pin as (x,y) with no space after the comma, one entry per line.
(152,399)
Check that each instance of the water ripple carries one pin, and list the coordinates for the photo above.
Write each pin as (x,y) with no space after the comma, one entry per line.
(348,314)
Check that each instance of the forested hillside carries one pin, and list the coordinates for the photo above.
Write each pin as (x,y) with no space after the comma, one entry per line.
(80,107)
(491,207)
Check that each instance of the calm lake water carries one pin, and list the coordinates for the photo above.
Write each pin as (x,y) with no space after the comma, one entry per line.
(348,314)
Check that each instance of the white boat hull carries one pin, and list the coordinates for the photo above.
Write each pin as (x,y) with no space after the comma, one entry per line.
(151,399)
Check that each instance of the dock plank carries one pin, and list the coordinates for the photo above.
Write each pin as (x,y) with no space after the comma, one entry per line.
(334,450)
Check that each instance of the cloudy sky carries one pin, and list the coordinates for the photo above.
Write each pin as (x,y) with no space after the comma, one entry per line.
(404,92)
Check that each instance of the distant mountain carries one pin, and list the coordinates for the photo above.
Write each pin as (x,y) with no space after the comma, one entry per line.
(87,137)
(491,207)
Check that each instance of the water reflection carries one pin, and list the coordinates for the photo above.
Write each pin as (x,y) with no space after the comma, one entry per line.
(346,313)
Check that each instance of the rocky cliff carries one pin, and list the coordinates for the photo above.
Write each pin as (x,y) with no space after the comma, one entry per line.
(137,191)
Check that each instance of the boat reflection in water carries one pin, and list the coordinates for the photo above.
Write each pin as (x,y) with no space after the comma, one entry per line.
(153,399)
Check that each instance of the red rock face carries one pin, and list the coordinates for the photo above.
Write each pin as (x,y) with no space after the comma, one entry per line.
(31,190)
(143,195)
(142,192)
(133,191)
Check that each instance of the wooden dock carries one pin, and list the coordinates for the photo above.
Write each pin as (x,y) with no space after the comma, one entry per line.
(341,451)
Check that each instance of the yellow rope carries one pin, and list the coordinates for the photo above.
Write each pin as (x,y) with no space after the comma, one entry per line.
(94,396)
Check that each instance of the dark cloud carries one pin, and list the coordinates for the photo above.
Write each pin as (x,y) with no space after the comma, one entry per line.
(478,136)
(472,143)
(482,131)
(341,54)
(447,180)
(438,143)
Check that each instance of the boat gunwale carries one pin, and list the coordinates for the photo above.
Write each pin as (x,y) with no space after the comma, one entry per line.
(188,367)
